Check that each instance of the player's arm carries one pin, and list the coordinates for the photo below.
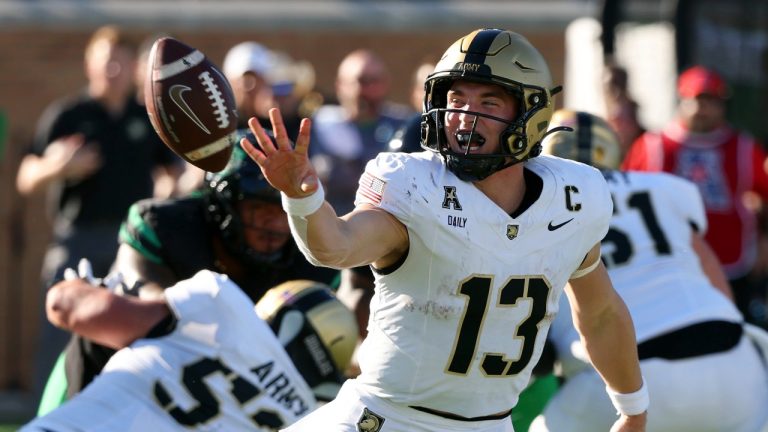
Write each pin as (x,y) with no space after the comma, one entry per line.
(607,331)
(365,235)
(136,267)
(140,255)
(100,315)
(711,265)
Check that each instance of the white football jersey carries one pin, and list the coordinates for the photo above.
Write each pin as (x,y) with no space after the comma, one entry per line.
(221,369)
(649,256)
(460,323)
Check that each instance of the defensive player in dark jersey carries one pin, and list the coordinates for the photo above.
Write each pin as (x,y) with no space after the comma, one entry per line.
(233,225)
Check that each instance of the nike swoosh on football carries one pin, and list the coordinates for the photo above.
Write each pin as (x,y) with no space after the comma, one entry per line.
(176,92)
(554,227)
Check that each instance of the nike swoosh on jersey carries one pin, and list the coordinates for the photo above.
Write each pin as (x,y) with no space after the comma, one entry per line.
(554,227)
(176,92)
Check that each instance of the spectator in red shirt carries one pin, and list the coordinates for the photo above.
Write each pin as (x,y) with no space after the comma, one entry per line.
(728,166)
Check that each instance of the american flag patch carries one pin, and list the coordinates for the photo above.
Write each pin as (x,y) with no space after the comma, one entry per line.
(371,188)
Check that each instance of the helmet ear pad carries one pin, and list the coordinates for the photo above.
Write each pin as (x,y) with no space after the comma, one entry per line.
(222,214)
(530,126)
(512,142)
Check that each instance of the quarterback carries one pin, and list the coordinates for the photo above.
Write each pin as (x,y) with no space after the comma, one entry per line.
(200,358)
(702,373)
(471,243)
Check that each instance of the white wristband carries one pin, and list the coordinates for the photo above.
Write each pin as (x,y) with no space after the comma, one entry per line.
(302,207)
(630,403)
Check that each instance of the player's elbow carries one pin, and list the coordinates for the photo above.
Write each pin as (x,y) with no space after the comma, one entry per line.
(335,254)
(329,258)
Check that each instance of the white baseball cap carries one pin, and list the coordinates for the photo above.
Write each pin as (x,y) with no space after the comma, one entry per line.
(247,57)
(289,76)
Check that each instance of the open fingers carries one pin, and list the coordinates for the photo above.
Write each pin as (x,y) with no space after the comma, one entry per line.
(265,142)
(256,154)
(278,129)
(302,141)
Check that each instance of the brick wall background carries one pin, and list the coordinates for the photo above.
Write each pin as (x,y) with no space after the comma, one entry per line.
(40,64)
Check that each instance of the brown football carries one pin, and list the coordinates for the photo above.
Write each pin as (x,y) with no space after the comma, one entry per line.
(190,104)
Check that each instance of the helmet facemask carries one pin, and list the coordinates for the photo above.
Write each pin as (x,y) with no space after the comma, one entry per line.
(473,166)
(239,182)
(233,229)
(497,57)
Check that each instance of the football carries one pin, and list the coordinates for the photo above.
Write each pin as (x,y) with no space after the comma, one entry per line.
(190,104)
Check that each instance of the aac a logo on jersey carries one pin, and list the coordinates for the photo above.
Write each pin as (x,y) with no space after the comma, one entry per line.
(451,200)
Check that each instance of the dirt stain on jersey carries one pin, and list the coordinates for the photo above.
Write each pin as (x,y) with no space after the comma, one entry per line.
(432,308)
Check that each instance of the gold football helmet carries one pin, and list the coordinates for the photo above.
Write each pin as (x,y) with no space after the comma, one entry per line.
(318,332)
(491,56)
(592,140)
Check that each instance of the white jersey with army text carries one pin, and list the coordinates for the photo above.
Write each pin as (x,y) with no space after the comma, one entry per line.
(220,369)
(462,320)
(649,256)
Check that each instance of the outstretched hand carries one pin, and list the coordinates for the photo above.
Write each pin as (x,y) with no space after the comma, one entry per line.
(285,167)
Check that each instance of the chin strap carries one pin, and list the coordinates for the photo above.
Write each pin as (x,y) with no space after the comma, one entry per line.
(556,129)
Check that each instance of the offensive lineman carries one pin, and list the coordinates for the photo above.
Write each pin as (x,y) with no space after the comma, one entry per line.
(471,244)
(701,372)
(200,358)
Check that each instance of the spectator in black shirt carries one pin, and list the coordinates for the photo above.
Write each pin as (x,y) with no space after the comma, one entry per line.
(95,154)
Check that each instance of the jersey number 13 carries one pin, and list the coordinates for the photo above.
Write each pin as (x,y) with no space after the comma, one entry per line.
(477,289)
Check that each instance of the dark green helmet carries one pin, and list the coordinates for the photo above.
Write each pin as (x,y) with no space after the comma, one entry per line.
(241,180)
